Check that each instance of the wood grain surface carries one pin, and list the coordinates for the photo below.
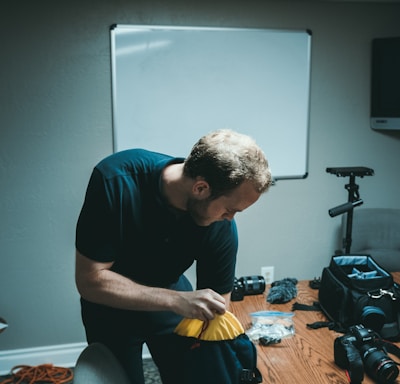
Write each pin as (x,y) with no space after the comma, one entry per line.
(305,358)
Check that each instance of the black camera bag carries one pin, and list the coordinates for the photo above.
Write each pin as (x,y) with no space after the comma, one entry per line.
(354,289)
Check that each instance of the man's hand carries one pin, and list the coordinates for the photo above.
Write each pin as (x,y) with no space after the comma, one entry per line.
(203,304)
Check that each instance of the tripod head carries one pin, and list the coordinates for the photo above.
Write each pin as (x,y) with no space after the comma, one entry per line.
(354,199)
(351,171)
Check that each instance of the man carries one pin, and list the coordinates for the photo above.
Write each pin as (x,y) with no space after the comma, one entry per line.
(145,219)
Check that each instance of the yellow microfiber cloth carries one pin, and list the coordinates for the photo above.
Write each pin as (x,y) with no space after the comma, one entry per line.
(222,327)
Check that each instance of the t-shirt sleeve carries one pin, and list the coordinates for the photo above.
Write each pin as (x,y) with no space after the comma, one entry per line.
(216,268)
(94,234)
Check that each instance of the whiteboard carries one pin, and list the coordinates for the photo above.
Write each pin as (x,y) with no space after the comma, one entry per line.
(171,85)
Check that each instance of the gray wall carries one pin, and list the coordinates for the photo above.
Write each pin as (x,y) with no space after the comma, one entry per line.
(56,123)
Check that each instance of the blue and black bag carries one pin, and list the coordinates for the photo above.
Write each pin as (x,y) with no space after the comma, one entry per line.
(227,357)
(216,362)
(355,289)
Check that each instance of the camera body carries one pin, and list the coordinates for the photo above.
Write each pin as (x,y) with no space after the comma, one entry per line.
(247,285)
(361,349)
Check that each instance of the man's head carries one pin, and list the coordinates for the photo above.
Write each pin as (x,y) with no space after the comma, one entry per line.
(230,172)
(225,159)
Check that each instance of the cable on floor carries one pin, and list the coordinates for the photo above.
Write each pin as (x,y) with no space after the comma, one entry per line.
(45,373)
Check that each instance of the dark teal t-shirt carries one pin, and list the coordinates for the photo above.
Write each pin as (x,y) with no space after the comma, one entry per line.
(125,219)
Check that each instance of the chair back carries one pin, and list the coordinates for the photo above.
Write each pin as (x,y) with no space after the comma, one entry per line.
(97,365)
(376,232)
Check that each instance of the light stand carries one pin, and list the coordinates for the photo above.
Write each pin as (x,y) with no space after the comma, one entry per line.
(353,197)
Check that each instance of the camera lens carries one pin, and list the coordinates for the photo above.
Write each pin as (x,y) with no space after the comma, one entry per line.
(253,285)
(378,365)
(373,317)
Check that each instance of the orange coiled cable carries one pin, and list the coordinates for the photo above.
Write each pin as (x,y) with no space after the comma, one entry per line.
(47,373)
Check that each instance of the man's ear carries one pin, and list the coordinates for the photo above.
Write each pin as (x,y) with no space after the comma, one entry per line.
(201,189)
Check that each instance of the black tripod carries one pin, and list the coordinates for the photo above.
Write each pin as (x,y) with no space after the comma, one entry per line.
(353,197)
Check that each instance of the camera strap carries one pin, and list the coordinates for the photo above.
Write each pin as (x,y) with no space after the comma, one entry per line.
(356,366)
(390,348)
(332,325)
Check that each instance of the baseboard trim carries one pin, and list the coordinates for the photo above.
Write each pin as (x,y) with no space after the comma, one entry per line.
(64,355)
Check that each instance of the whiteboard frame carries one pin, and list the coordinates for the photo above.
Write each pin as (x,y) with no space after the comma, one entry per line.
(124,137)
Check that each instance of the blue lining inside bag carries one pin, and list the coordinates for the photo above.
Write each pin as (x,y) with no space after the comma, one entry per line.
(360,267)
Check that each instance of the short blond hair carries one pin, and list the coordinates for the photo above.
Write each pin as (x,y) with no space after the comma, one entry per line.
(225,159)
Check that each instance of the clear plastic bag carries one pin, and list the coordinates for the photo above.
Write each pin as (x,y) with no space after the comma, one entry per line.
(271,326)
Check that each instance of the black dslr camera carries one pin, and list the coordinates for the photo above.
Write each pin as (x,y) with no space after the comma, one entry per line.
(362,349)
(247,285)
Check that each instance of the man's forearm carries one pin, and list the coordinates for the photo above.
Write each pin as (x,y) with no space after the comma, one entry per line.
(114,290)
(96,282)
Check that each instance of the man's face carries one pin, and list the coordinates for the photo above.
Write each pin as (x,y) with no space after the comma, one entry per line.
(206,211)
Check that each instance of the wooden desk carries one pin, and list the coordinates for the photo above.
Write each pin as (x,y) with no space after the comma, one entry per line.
(306,357)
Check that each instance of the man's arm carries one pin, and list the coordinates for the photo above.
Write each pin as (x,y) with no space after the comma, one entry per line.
(97,283)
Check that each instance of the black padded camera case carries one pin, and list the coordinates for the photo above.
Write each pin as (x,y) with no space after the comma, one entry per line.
(355,290)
